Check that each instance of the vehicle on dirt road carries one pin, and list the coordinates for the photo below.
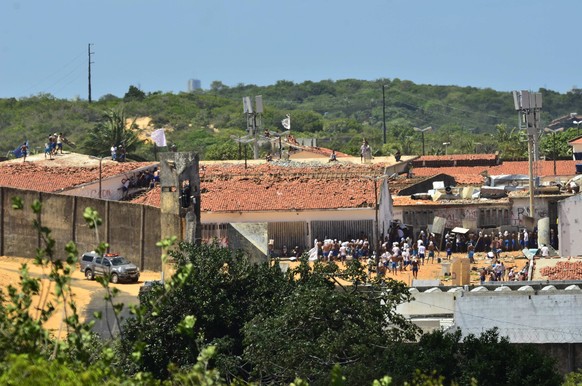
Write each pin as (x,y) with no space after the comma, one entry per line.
(116,268)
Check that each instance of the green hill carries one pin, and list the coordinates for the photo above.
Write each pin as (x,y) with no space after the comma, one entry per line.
(338,113)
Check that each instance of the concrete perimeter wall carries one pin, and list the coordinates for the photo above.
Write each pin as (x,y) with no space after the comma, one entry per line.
(132,230)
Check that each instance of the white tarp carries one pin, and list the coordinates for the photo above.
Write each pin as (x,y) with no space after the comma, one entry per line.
(460,230)
(159,137)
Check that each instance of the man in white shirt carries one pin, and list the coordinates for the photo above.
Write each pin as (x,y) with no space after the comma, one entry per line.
(545,251)
(421,251)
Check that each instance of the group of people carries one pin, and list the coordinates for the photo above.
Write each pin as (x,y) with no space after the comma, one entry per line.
(406,253)
(54,145)
(118,153)
(497,242)
(498,272)
(402,251)
(338,250)
(144,179)
(393,259)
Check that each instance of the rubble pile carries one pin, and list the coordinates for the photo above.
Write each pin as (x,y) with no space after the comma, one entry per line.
(564,271)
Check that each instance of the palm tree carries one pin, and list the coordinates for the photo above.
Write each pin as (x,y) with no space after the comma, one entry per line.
(113,131)
(510,142)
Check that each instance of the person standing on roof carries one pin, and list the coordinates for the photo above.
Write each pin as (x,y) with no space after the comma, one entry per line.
(365,152)
(59,143)
(24,151)
(53,143)
(48,150)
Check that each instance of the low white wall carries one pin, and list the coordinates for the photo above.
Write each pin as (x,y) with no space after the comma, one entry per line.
(524,317)
(426,304)
(570,226)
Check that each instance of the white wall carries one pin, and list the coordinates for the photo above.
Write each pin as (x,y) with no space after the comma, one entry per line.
(576,148)
(520,208)
(570,225)
(524,317)
(455,215)
(429,303)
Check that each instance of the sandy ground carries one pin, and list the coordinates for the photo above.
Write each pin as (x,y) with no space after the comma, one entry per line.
(84,291)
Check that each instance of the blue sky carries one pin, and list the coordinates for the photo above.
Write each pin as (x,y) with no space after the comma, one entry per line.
(158,45)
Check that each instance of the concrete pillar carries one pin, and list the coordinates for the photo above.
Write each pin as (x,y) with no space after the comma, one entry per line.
(180,196)
(461,271)
(544,231)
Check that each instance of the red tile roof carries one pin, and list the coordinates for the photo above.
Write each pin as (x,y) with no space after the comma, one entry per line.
(268,187)
(151,198)
(464,175)
(458,157)
(32,176)
(470,175)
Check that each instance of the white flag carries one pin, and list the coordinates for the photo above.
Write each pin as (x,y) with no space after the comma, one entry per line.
(159,137)
(286,122)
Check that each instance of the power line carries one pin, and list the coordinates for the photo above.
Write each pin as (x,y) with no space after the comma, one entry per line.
(53,74)
(63,78)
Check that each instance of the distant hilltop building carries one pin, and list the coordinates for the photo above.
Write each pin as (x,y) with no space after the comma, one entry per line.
(194,84)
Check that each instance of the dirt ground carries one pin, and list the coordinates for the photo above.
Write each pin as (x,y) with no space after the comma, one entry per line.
(84,291)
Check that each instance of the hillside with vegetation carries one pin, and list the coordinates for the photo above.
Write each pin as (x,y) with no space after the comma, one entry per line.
(337,113)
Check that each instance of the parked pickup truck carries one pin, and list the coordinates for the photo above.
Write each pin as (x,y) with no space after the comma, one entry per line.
(116,267)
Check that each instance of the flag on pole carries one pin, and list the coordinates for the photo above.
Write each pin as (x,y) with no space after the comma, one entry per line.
(287,122)
(159,137)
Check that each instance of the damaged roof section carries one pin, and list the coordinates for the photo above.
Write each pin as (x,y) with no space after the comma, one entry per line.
(267,187)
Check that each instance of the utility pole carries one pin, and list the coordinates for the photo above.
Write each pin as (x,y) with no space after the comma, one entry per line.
(529,105)
(253,120)
(384,113)
(89,53)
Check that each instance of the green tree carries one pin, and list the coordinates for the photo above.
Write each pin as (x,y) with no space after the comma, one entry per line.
(322,323)
(218,287)
(557,143)
(223,151)
(512,144)
(134,94)
(487,359)
(218,86)
(113,130)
